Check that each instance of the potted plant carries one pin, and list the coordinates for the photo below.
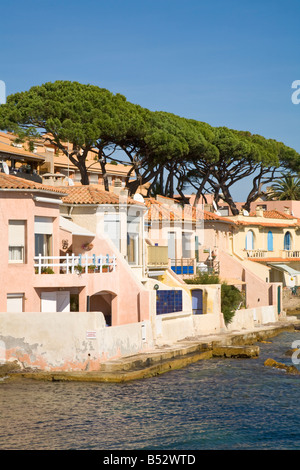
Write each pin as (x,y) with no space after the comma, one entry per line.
(91,268)
(105,268)
(87,246)
(78,269)
(47,270)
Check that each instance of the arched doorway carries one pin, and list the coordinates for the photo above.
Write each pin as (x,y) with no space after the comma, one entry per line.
(105,302)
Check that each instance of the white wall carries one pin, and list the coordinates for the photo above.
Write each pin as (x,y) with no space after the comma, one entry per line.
(69,340)
(177,326)
(251,317)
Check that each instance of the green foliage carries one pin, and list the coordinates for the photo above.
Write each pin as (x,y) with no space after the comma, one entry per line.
(286,188)
(88,117)
(47,270)
(92,119)
(231,298)
(204,278)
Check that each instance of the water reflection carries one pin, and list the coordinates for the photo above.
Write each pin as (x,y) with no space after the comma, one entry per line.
(214,404)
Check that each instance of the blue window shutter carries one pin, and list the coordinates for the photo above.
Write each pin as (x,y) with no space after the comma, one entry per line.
(270,241)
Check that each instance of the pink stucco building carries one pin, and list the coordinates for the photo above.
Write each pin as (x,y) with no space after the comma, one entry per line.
(42,251)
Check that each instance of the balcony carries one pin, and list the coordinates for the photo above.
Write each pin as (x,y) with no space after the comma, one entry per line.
(74,264)
(256,253)
(271,254)
(291,254)
(157,257)
(184,266)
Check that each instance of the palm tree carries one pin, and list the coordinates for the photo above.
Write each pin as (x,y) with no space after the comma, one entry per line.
(286,188)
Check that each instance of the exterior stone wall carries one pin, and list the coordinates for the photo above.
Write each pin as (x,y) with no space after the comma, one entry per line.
(67,340)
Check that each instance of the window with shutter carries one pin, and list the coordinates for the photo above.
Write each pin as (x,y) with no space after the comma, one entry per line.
(16,241)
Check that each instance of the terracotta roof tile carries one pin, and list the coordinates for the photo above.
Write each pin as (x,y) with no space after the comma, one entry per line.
(92,194)
(274,214)
(214,217)
(162,211)
(13,182)
(21,152)
(274,260)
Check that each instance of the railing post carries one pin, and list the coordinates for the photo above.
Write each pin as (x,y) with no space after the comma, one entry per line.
(86,263)
(73,263)
(40,263)
(114,262)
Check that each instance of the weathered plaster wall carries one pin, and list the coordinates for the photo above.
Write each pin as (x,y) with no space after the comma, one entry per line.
(249,318)
(68,341)
(177,326)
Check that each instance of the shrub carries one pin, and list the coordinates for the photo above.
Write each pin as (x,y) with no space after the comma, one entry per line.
(204,278)
(231,298)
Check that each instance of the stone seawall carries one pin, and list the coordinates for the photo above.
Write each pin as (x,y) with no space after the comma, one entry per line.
(163,359)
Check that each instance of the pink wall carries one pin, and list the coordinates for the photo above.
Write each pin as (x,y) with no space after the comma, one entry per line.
(130,298)
(19,278)
(258,292)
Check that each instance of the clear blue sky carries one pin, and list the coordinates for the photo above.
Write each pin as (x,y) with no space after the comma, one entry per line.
(229,63)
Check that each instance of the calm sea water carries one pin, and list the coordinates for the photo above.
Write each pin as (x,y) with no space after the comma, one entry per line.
(216,404)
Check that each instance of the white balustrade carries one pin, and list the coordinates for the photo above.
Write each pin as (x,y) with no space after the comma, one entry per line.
(71,264)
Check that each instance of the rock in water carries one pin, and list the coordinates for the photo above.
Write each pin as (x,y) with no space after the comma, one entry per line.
(236,351)
(278,365)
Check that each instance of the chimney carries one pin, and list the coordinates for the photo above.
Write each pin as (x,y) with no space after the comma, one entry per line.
(123,196)
(259,211)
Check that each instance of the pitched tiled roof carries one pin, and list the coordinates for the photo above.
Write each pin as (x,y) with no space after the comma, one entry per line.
(175,212)
(20,152)
(272,218)
(210,216)
(92,194)
(274,214)
(164,211)
(160,211)
(13,182)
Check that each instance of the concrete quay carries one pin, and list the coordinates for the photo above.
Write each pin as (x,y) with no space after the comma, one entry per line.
(238,344)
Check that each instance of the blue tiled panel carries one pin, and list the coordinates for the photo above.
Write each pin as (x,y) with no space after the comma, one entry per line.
(168,301)
(184,270)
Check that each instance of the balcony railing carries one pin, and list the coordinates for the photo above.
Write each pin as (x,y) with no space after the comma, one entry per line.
(256,253)
(75,264)
(291,254)
(183,265)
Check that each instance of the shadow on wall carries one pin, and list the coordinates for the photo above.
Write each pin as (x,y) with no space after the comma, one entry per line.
(105,302)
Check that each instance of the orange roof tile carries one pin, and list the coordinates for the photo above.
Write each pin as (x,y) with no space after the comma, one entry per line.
(274,214)
(162,211)
(274,260)
(210,216)
(13,182)
(271,218)
(91,194)
(19,152)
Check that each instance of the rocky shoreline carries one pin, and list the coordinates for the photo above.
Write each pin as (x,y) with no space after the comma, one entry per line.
(163,359)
